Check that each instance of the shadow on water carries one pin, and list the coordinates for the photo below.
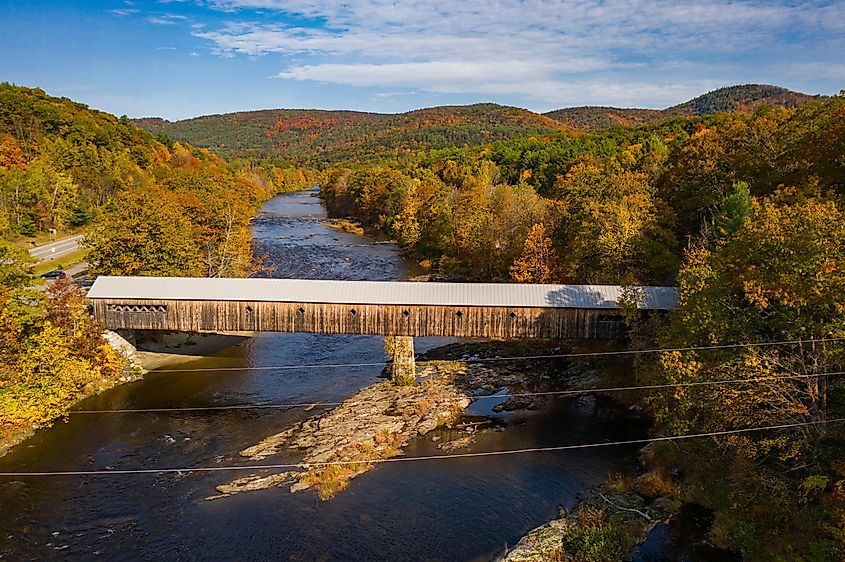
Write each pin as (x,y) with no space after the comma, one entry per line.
(683,539)
(460,509)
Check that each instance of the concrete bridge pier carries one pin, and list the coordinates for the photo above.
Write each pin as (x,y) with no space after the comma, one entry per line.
(400,353)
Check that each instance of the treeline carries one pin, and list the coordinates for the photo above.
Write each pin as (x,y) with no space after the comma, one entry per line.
(745,214)
(319,138)
(65,166)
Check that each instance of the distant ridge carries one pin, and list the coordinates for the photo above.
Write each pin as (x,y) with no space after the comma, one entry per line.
(746,97)
(317,137)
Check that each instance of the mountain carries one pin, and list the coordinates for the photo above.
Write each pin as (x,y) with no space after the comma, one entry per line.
(746,97)
(591,117)
(316,137)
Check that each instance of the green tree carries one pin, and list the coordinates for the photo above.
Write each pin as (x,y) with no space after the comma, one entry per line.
(733,211)
(16,266)
(143,234)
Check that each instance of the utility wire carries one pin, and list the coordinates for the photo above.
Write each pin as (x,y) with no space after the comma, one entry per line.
(208,408)
(511,358)
(573,392)
(272,367)
(307,465)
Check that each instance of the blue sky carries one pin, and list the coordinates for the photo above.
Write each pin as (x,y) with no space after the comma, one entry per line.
(183,58)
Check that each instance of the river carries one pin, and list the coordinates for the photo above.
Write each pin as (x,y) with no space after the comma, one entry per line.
(462,509)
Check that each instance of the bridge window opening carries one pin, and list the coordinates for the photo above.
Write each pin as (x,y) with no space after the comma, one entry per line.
(459,314)
(139,308)
(512,314)
(353,312)
(406,313)
(300,310)
(249,311)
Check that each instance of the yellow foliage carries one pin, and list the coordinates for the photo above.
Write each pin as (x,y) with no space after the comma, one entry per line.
(58,357)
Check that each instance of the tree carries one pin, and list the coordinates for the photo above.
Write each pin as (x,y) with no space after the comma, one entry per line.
(612,225)
(536,263)
(16,266)
(778,276)
(143,234)
(733,211)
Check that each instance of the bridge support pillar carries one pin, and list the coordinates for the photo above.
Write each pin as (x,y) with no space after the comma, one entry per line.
(400,353)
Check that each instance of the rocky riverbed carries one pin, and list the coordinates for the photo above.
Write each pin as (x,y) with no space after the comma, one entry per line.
(373,424)
(378,422)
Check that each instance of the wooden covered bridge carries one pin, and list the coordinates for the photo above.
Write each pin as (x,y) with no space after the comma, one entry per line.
(400,310)
(473,310)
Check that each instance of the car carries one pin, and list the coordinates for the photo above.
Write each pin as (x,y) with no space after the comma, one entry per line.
(53,275)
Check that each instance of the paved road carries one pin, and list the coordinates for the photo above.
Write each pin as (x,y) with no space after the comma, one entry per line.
(76,270)
(56,249)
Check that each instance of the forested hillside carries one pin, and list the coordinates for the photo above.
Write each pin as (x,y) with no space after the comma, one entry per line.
(64,166)
(745,213)
(150,206)
(318,138)
(731,99)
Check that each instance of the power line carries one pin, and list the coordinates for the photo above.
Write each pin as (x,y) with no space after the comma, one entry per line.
(573,392)
(511,358)
(307,465)
(306,405)
(655,350)
(273,367)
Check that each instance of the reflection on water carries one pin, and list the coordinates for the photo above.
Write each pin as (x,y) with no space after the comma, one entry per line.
(462,509)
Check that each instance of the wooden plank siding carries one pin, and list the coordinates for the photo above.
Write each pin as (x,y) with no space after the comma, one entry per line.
(389,320)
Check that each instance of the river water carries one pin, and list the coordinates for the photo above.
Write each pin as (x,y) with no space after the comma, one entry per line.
(461,509)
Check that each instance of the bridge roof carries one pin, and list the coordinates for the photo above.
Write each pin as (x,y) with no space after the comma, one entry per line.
(510,295)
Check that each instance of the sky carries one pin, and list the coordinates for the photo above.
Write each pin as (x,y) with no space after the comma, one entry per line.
(184,58)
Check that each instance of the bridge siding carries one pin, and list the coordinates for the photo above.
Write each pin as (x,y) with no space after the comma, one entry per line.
(473,321)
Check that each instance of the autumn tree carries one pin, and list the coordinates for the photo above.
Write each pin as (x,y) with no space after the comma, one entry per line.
(536,263)
(775,276)
(143,234)
(16,266)
(612,226)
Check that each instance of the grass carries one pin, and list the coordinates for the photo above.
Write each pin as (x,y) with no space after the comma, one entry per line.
(328,481)
(331,480)
(61,263)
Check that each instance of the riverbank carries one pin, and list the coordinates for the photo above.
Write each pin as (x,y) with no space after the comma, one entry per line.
(605,525)
(134,363)
(130,373)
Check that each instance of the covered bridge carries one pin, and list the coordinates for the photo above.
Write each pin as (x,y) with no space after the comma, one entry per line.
(479,310)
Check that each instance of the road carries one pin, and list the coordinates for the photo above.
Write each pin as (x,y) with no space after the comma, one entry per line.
(56,249)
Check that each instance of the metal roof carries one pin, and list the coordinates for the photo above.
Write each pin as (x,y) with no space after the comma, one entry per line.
(376,292)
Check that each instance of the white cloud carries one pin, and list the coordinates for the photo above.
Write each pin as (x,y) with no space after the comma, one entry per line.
(816,70)
(546,49)
(439,76)
(124,11)
(166,19)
